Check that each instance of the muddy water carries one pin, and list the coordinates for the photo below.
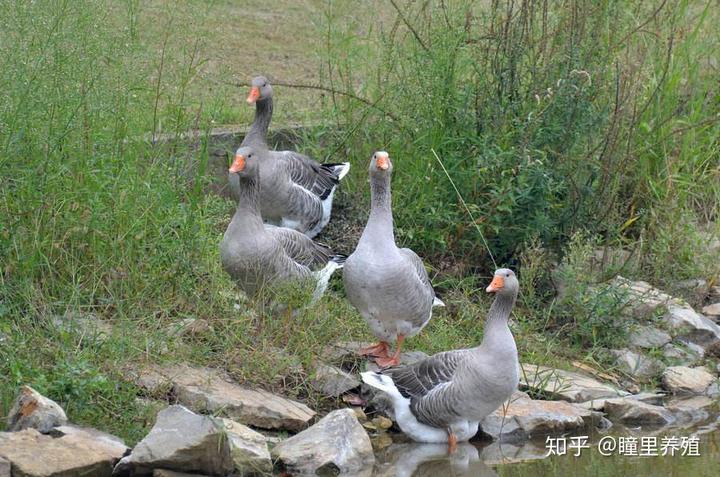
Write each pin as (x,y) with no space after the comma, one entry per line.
(530,459)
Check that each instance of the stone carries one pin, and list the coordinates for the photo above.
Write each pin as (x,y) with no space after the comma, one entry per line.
(188,326)
(180,440)
(331,381)
(694,289)
(4,468)
(71,430)
(712,311)
(565,385)
(649,337)
(87,325)
(684,380)
(690,410)
(33,410)
(714,292)
(655,398)
(680,353)
(637,366)
(642,298)
(337,443)
(685,322)
(209,390)
(248,449)
(634,412)
(527,418)
(73,455)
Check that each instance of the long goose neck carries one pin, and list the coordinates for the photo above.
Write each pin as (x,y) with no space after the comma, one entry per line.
(380,222)
(257,135)
(497,332)
(247,215)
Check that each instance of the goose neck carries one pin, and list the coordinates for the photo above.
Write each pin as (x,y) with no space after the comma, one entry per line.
(380,223)
(257,135)
(247,214)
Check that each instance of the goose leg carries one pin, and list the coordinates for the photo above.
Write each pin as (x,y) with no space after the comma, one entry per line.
(381,350)
(387,361)
(452,441)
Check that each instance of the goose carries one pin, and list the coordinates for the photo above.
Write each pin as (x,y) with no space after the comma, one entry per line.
(256,254)
(444,397)
(296,192)
(388,285)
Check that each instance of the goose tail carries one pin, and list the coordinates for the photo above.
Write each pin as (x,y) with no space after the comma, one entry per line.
(438,302)
(381,382)
(339,169)
(323,275)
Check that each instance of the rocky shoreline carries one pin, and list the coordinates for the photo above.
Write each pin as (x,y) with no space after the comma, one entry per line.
(211,425)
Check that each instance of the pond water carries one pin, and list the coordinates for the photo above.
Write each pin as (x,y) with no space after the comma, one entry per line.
(529,459)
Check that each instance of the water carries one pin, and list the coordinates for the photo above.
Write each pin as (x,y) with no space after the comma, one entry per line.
(529,459)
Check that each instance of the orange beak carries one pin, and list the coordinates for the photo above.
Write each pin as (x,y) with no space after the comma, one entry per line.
(238,164)
(383,163)
(254,95)
(496,284)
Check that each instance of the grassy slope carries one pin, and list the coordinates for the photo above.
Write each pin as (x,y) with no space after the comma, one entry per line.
(94,221)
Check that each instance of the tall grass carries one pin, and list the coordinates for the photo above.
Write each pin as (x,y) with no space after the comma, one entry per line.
(551,118)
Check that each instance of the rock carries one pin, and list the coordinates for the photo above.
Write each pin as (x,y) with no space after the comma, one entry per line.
(527,418)
(712,311)
(649,337)
(88,433)
(4,468)
(73,455)
(180,440)
(337,443)
(248,449)
(637,366)
(695,328)
(209,390)
(646,397)
(88,325)
(684,380)
(188,326)
(331,381)
(714,292)
(643,298)
(694,289)
(690,410)
(680,353)
(33,410)
(633,412)
(565,385)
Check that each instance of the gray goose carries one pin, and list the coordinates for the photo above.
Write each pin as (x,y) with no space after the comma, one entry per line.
(296,191)
(444,397)
(256,254)
(388,285)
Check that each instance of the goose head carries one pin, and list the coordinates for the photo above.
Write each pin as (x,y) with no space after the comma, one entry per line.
(380,164)
(504,283)
(245,163)
(260,90)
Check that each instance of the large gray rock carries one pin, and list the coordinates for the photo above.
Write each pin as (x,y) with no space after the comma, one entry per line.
(565,385)
(32,410)
(642,298)
(655,398)
(637,366)
(634,412)
(331,381)
(684,380)
(248,449)
(77,454)
(681,353)
(649,337)
(696,328)
(209,390)
(180,440)
(690,410)
(526,418)
(336,443)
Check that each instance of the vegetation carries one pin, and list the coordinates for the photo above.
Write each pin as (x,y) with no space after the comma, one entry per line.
(550,119)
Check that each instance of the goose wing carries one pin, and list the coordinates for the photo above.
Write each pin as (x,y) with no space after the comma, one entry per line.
(301,248)
(416,380)
(319,179)
(417,262)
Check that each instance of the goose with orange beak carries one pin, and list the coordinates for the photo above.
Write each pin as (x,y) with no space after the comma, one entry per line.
(296,192)
(444,397)
(388,285)
(257,255)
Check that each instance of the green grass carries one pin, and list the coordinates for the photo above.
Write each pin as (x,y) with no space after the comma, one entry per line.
(96,219)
